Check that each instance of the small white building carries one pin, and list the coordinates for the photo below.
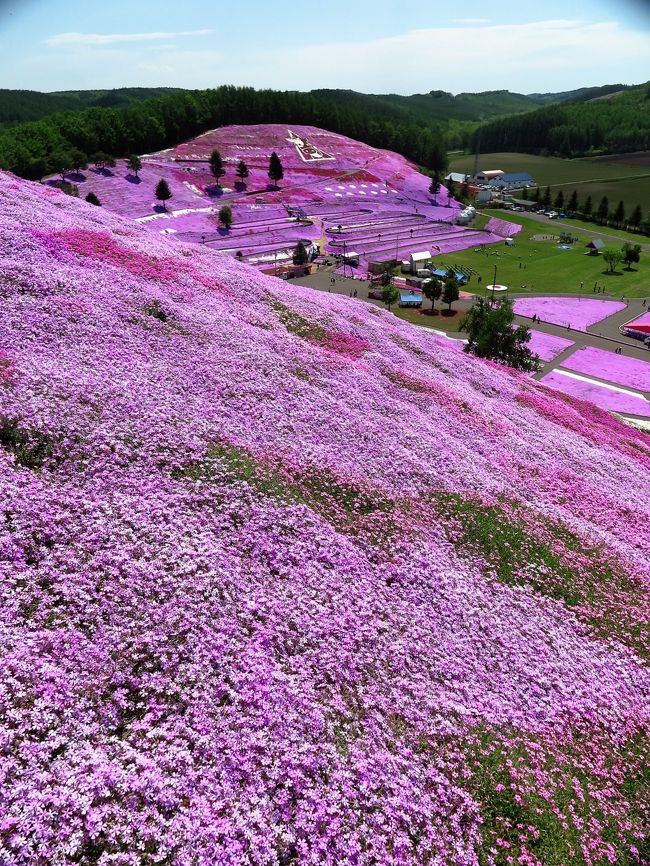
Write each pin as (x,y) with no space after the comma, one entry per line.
(487,176)
(456,177)
(419,260)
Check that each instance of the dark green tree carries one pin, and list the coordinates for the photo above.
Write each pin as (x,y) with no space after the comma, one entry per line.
(636,217)
(390,295)
(537,195)
(70,189)
(225,216)
(102,160)
(300,254)
(242,172)
(524,194)
(61,163)
(558,204)
(91,198)
(78,160)
(216,166)
(434,187)
(619,214)
(489,326)
(631,254)
(546,198)
(275,169)
(603,210)
(613,258)
(572,205)
(134,164)
(163,192)
(588,207)
(451,292)
(432,290)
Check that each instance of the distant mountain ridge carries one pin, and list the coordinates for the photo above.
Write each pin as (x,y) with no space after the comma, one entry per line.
(19,106)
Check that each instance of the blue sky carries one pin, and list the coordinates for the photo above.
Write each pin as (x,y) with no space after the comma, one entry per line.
(400,46)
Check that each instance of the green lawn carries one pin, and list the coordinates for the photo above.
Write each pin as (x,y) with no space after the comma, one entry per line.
(549,169)
(594,177)
(439,322)
(540,267)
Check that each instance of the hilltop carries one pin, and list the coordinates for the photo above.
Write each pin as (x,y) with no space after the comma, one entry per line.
(288,581)
(336,193)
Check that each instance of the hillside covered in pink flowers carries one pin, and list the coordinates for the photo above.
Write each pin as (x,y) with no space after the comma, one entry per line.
(286,580)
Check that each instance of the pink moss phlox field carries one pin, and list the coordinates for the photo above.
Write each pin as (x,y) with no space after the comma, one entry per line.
(643,319)
(630,372)
(606,398)
(502,228)
(547,346)
(285,580)
(579,313)
(380,198)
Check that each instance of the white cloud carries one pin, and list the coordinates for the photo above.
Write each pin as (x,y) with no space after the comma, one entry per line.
(541,55)
(112,38)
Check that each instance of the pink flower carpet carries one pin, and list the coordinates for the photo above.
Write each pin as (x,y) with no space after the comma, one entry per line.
(579,313)
(285,580)
(378,198)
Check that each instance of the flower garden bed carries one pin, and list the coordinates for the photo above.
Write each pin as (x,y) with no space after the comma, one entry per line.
(547,346)
(579,313)
(619,369)
(599,394)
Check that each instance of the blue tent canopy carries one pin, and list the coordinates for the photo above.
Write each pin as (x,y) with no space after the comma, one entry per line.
(441,272)
(410,298)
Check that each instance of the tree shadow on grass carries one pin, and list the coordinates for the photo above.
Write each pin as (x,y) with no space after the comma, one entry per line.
(214,191)
(133,179)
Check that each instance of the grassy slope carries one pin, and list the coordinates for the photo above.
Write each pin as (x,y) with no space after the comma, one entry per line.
(548,269)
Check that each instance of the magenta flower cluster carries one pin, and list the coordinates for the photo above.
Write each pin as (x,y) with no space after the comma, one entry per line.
(239,621)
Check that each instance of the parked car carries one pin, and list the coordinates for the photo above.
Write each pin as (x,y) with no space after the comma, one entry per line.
(377,294)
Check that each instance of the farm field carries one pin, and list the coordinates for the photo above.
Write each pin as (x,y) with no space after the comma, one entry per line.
(550,169)
(593,176)
(534,264)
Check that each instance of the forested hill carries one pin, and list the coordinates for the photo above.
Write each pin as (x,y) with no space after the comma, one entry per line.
(582,94)
(34,149)
(438,104)
(615,124)
(18,106)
